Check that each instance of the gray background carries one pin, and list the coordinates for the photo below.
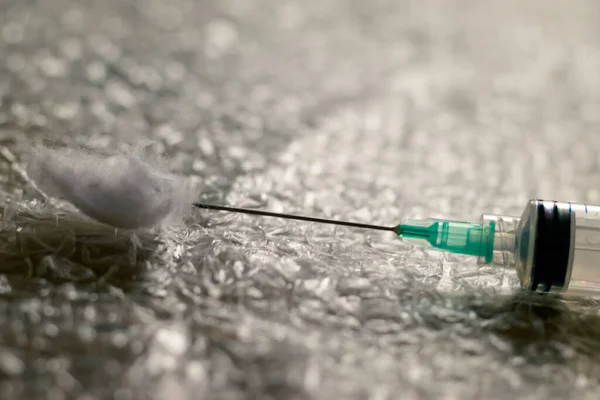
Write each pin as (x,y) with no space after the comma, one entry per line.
(364,110)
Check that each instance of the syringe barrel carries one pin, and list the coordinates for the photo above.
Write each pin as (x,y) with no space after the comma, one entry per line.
(555,246)
(584,268)
(504,229)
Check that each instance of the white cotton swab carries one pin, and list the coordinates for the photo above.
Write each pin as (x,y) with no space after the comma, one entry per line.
(123,191)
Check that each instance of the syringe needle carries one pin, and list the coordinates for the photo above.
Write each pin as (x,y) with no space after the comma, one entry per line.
(297,217)
(452,236)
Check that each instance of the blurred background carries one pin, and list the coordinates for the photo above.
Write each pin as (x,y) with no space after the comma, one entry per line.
(372,111)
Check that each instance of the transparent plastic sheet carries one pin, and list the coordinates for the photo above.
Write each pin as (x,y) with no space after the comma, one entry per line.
(277,307)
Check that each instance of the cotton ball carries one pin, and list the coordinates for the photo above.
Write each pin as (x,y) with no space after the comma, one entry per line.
(121,191)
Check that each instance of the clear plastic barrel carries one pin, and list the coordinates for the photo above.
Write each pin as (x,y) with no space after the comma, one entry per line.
(505,239)
(515,238)
(585,264)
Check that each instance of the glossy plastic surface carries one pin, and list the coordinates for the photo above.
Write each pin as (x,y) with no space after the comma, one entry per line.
(452,236)
(585,263)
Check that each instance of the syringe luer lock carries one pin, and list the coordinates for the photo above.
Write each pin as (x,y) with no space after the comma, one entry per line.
(554,246)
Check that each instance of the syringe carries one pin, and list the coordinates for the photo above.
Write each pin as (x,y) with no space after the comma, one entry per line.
(554,246)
